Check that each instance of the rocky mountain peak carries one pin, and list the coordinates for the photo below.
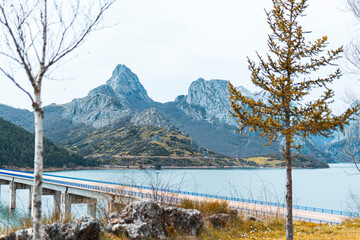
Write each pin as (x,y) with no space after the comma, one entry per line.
(208,89)
(124,82)
(208,100)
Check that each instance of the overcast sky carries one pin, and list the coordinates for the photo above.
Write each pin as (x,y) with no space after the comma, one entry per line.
(170,43)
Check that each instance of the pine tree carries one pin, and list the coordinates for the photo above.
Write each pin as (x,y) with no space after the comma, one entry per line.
(286,77)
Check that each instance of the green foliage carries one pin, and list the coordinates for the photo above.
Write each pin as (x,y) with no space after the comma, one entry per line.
(17,149)
(286,77)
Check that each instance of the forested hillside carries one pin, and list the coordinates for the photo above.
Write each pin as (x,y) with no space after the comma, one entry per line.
(131,145)
(17,149)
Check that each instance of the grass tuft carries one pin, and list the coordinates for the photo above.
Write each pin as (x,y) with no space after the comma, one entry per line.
(208,207)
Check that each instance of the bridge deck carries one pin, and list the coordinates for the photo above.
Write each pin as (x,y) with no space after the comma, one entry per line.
(99,189)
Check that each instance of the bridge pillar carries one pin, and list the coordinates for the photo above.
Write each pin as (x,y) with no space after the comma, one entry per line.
(65,205)
(91,207)
(12,188)
(30,197)
(110,205)
(57,203)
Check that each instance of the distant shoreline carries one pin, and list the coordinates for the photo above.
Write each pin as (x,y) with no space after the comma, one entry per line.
(114,167)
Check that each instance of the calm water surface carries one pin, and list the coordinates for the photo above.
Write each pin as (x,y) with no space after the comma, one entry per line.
(335,188)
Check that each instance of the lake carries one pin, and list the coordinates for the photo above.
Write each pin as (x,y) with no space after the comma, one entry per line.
(337,187)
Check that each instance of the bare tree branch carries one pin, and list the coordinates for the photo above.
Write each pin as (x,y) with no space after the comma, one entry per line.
(34,36)
(17,84)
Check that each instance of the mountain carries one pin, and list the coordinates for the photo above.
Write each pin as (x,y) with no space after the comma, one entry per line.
(19,117)
(116,101)
(344,146)
(203,114)
(17,149)
(207,100)
(151,117)
(134,145)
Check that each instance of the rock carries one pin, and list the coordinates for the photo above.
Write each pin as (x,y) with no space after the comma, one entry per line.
(80,229)
(114,221)
(124,82)
(184,220)
(141,220)
(149,220)
(219,219)
(151,117)
(113,215)
(87,228)
(110,103)
(23,234)
(252,218)
(233,213)
(83,228)
(208,100)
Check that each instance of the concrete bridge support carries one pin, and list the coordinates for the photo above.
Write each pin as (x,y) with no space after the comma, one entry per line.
(57,204)
(110,204)
(114,203)
(65,205)
(12,188)
(91,207)
(30,197)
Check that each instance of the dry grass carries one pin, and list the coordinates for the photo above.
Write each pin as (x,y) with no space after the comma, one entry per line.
(262,161)
(206,208)
(27,222)
(270,228)
(275,229)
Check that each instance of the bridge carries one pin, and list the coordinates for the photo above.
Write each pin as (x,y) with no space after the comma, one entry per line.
(69,190)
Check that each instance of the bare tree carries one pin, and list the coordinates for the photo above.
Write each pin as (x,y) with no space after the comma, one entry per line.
(352,52)
(35,35)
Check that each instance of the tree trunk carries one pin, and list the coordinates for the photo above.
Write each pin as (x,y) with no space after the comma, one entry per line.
(38,168)
(289,215)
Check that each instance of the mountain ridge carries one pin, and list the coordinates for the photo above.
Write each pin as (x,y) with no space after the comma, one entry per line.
(203,114)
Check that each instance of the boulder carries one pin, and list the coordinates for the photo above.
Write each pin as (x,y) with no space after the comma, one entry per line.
(233,213)
(252,218)
(83,228)
(23,234)
(219,219)
(149,220)
(182,220)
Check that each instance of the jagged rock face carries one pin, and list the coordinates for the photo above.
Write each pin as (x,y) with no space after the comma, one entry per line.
(149,220)
(124,82)
(209,100)
(203,113)
(344,147)
(108,104)
(100,108)
(151,117)
(351,132)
